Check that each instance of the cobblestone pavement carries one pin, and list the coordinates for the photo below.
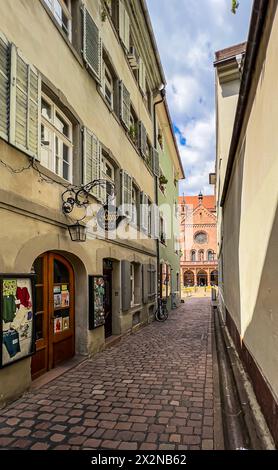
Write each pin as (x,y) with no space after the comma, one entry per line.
(153,390)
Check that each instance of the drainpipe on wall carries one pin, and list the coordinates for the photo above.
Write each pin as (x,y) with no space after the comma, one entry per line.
(163,95)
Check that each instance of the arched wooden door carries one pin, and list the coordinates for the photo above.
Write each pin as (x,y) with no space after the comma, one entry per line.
(54,312)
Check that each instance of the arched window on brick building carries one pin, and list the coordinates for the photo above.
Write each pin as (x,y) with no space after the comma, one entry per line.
(210,255)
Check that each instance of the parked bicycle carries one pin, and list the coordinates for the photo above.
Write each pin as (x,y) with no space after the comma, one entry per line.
(161,313)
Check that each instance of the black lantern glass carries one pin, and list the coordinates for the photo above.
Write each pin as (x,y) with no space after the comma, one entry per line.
(77,232)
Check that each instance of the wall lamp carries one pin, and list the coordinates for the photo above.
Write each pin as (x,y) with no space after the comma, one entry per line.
(79,196)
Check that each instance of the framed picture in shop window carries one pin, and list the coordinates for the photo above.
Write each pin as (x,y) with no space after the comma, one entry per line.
(96,302)
(17,322)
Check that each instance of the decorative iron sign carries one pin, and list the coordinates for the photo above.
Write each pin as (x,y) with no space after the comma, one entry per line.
(108,218)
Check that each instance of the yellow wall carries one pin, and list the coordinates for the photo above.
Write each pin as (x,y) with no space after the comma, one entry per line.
(52,56)
(251,219)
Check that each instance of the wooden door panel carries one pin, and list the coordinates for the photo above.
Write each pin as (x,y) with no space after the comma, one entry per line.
(52,348)
(62,350)
(107,276)
(61,343)
(39,363)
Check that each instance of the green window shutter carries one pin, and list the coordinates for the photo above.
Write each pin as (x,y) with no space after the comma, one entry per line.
(155,162)
(91,160)
(102,188)
(145,278)
(124,105)
(127,32)
(142,139)
(92,45)
(155,217)
(152,281)
(126,285)
(126,195)
(4,87)
(142,75)
(144,212)
(124,25)
(25,97)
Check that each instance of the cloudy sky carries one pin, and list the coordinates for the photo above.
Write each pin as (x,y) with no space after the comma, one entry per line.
(188,32)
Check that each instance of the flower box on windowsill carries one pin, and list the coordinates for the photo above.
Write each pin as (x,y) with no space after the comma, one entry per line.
(133,134)
(162,183)
(162,180)
(163,238)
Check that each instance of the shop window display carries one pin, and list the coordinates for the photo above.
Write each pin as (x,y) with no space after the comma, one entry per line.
(96,301)
(17,318)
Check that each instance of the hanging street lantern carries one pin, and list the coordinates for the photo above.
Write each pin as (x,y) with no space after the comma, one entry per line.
(77,232)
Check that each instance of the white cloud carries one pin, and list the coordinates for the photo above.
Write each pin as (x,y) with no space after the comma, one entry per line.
(188,32)
(183,91)
(198,154)
(198,180)
(200,134)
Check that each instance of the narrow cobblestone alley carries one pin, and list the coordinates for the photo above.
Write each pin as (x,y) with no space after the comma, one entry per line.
(153,390)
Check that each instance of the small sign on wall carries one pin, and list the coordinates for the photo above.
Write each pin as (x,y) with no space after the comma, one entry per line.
(17,322)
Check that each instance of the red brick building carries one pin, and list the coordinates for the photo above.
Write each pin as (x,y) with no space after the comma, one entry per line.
(198,240)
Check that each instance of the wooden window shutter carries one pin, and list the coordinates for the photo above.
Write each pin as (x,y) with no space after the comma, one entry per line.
(152,280)
(142,139)
(144,212)
(127,32)
(145,276)
(126,285)
(124,105)
(4,87)
(155,162)
(102,188)
(155,219)
(92,45)
(25,86)
(91,160)
(126,199)
(142,75)
(124,25)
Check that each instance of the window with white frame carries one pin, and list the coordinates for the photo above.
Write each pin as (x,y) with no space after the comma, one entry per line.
(210,255)
(61,10)
(132,284)
(150,216)
(108,85)
(56,140)
(108,173)
(133,126)
(134,203)
(162,229)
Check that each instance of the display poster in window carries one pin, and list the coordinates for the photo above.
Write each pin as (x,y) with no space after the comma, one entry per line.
(66,323)
(17,318)
(96,301)
(57,300)
(65,298)
(164,281)
(58,325)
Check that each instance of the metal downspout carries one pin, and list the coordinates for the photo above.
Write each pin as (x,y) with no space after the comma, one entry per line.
(156,183)
(236,435)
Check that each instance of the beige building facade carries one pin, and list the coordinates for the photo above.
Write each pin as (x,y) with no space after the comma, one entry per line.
(78,81)
(247,199)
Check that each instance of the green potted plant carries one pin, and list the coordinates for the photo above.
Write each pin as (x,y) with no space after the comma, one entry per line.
(162,180)
(160,140)
(133,133)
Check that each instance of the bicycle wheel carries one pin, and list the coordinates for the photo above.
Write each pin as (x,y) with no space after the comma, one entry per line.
(161,315)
